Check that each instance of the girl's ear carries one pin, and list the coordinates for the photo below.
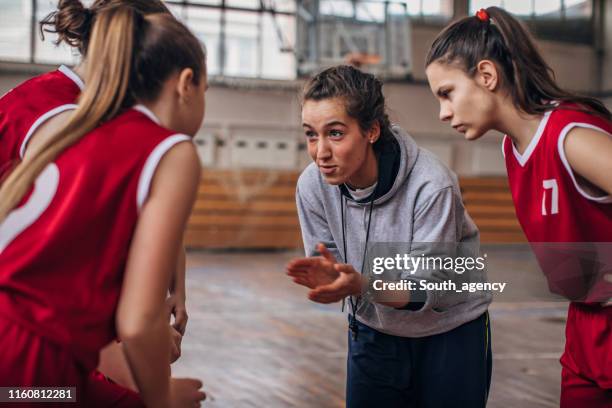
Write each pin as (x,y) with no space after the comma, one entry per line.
(184,84)
(487,75)
(374,132)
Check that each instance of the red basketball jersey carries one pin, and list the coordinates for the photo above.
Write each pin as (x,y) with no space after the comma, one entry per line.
(64,249)
(29,105)
(551,205)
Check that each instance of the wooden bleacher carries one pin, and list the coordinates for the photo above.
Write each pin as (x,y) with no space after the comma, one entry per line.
(245,209)
(489,203)
(255,209)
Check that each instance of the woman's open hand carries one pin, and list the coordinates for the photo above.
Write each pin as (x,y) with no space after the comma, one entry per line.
(328,280)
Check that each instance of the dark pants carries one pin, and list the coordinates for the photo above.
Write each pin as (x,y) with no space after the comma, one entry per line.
(451,369)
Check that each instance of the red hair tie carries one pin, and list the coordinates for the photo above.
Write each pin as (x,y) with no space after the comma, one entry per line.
(483,15)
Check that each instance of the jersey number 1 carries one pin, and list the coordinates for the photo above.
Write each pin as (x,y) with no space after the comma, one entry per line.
(550,184)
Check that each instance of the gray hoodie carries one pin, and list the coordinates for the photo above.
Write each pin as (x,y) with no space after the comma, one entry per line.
(424,205)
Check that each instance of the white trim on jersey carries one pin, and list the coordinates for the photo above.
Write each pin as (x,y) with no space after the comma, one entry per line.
(146,176)
(522,158)
(503,146)
(19,219)
(72,75)
(560,146)
(146,111)
(42,119)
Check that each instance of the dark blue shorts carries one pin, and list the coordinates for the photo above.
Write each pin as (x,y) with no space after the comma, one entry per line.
(451,369)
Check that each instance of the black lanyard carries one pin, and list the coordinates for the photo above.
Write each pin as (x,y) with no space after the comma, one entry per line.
(355,303)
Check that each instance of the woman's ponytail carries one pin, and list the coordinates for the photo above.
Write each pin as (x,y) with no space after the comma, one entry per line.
(496,35)
(114,37)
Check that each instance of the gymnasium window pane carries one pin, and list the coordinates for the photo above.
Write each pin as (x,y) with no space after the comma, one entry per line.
(476,5)
(206,25)
(542,9)
(210,2)
(15,29)
(519,8)
(340,8)
(282,5)
(371,11)
(414,7)
(548,8)
(398,9)
(431,8)
(278,61)
(578,8)
(249,43)
(241,44)
(252,4)
(420,8)
(442,8)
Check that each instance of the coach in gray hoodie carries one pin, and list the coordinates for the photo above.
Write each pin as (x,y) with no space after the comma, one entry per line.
(371,184)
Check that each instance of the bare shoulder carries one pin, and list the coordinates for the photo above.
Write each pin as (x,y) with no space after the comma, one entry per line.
(580,138)
(587,152)
(182,156)
(180,164)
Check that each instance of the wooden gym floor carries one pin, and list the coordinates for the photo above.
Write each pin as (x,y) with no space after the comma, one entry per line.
(256,341)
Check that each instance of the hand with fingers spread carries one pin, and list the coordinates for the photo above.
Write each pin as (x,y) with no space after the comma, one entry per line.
(314,271)
(348,283)
(330,281)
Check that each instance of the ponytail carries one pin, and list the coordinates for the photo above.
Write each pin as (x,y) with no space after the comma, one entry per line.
(112,42)
(131,57)
(496,35)
(72,21)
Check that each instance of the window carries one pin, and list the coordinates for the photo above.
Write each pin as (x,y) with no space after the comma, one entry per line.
(332,31)
(206,25)
(15,29)
(556,20)
(244,38)
(374,10)
(540,9)
(277,58)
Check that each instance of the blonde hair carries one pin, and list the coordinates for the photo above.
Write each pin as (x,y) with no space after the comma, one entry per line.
(127,51)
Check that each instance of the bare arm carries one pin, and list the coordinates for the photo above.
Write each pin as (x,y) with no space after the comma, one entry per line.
(114,366)
(178,294)
(142,320)
(588,152)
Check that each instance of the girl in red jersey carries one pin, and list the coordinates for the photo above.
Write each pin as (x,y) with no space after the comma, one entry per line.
(46,101)
(112,190)
(28,106)
(487,74)
(53,95)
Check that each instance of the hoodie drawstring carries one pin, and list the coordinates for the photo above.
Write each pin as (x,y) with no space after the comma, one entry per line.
(355,303)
